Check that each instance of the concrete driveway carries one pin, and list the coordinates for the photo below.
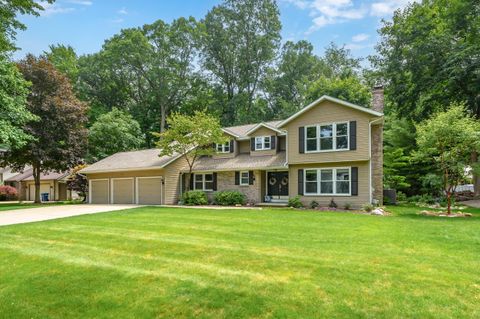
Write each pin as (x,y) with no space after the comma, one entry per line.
(29,215)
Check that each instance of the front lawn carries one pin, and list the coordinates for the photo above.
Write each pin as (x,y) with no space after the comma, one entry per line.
(19,205)
(173,262)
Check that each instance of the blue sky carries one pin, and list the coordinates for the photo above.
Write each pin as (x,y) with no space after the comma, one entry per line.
(85,24)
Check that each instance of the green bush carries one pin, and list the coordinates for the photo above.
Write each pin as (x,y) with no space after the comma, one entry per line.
(401,197)
(295,202)
(347,206)
(192,198)
(228,198)
(314,204)
(368,207)
(332,204)
(421,199)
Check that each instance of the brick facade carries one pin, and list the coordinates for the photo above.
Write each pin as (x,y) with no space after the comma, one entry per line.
(226,181)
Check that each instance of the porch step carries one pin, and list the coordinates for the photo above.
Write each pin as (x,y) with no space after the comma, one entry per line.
(273,204)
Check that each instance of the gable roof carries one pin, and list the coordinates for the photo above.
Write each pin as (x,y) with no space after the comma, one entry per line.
(331,99)
(241,131)
(48,176)
(266,125)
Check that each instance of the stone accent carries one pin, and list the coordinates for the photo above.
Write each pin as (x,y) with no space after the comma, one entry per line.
(226,181)
(377,163)
(378,98)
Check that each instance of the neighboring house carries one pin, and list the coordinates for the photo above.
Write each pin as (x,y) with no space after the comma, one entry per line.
(329,149)
(54,184)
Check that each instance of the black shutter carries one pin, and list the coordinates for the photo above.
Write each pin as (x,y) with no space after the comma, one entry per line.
(214,146)
(232,145)
(184,176)
(192,177)
(301,140)
(354,182)
(252,144)
(214,181)
(300,182)
(237,178)
(273,140)
(251,177)
(353,135)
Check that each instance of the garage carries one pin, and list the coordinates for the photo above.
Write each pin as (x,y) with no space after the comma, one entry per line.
(99,191)
(122,190)
(44,188)
(149,190)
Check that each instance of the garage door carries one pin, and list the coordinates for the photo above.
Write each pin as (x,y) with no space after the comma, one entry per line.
(99,191)
(44,188)
(122,190)
(149,190)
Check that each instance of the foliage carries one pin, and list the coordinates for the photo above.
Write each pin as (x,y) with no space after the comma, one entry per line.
(432,183)
(422,200)
(401,197)
(194,198)
(78,182)
(229,198)
(295,202)
(115,131)
(13,111)
(7,192)
(332,204)
(190,136)
(448,138)
(350,89)
(347,206)
(314,204)
(60,134)
(65,60)
(368,207)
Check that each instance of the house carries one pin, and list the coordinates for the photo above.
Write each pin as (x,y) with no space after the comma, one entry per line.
(331,149)
(54,184)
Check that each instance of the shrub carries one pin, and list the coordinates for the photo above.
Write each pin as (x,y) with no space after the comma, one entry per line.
(295,202)
(227,198)
(7,192)
(192,198)
(421,199)
(368,207)
(401,197)
(347,206)
(332,204)
(314,204)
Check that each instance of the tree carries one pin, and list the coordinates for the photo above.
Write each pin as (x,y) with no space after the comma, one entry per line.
(113,132)
(64,59)
(9,22)
(13,111)
(339,62)
(350,89)
(78,182)
(60,134)
(239,42)
(448,138)
(190,136)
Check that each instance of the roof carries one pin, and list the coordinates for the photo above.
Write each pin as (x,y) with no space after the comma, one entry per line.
(331,99)
(49,176)
(241,161)
(242,131)
(266,125)
(134,160)
(20,176)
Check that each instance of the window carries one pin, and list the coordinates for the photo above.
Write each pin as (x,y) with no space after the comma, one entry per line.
(203,182)
(223,148)
(262,143)
(327,181)
(244,178)
(327,137)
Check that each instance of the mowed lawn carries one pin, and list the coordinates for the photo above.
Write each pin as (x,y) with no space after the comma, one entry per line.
(182,263)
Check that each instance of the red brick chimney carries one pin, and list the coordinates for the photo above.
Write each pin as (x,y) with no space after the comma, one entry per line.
(377,146)
(378,98)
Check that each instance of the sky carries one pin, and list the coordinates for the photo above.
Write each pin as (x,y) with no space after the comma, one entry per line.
(86,24)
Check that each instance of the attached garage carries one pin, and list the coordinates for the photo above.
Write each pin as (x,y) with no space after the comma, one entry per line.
(44,188)
(149,190)
(123,190)
(99,191)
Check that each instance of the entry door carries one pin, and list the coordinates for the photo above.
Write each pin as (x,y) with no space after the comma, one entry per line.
(277,184)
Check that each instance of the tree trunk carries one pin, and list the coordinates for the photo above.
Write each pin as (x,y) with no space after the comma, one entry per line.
(188,178)
(36,177)
(476,176)
(162,119)
(449,203)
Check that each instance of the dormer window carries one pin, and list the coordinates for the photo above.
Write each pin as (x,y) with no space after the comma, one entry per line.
(223,148)
(327,137)
(262,143)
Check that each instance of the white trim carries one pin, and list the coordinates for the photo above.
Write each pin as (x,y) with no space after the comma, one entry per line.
(148,177)
(120,178)
(334,181)
(226,130)
(203,181)
(241,169)
(90,188)
(263,143)
(248,178)
(334,137)
(263,124)
(223,151)
(331,99)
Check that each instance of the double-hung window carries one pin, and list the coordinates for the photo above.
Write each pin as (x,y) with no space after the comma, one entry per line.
(203,182)
(223,148)
(244,178)
(327,137)
(327,181)
(262,143)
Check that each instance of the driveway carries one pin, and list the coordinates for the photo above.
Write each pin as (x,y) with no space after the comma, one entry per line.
(471,203)
(29,215)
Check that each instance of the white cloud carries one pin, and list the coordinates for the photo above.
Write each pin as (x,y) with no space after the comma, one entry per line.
(122,11)
(301,4)
(360,37)
(358,46)
(117,20)
(334,11)
(387,7)
(50,9)
(81,2)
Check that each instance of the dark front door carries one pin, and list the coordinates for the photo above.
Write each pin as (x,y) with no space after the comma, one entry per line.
(277,184)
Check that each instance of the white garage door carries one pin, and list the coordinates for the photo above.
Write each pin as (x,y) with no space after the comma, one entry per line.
(122,191)
(44,188)
(149,190)
(99,191)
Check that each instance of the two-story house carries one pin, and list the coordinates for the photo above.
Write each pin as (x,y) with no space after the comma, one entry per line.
(329,149)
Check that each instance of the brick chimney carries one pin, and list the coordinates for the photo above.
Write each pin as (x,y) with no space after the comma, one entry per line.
(377,146)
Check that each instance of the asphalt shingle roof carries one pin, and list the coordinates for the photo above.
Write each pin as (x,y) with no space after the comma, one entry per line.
(241,161)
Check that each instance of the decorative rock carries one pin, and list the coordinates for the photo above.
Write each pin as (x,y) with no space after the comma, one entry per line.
(378,211)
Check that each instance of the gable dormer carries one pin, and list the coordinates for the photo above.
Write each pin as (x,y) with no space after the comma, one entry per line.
(264,139)
(229,149)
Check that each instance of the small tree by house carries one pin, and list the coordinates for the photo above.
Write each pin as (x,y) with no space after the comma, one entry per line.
(77,182)
(448,138)
(191,136)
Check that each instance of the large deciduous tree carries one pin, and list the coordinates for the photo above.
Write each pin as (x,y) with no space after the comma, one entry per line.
(60,134)
(65,60)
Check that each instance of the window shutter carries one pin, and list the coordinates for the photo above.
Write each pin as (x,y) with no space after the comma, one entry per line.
(237,178)
(251,177)
(214,181)
(301,140)
(300,182)
(184,176)
(214,146)
(232,145)
(354,181)
(252,144)
(353,135)
(192,177)
(273,140)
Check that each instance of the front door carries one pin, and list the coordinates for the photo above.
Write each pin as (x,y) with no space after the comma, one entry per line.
(277,184)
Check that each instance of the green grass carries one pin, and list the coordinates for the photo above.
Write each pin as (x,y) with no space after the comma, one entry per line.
(167,262)
(12,206)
